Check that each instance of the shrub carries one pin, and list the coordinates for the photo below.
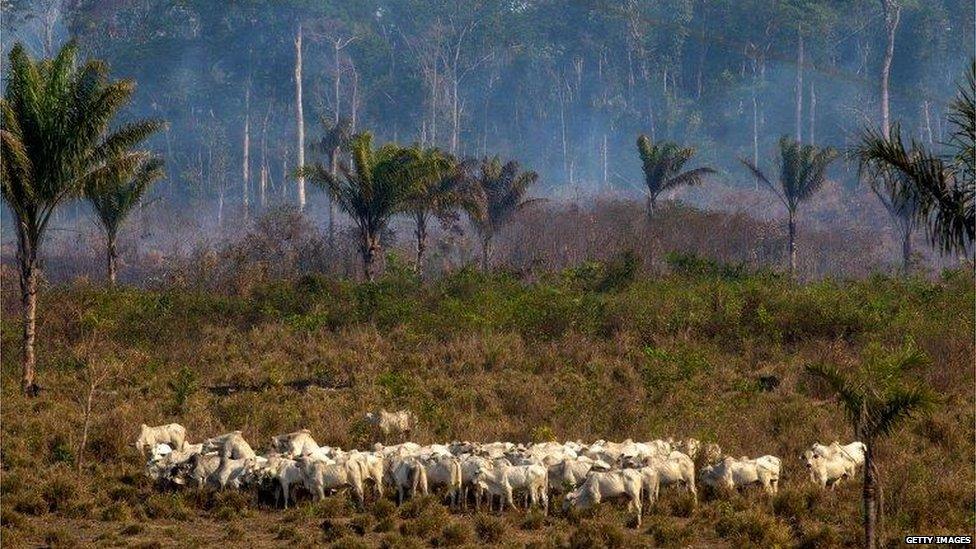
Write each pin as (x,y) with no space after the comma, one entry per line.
(166,506)
(455,533)
(28,504)
(11,519)
(667,533)
(289,533)
(184,383)
(60,492)
(396,541)
(231,503)
(332,507)
(60,537)
(385,524)
(755,527)
(133,529)
(489,529)
(795,503)
(383,508)
(426,523)
(819,536)
(118,511)
(361,524)
(350,542)
(533,520)
(593,534)
(333,530)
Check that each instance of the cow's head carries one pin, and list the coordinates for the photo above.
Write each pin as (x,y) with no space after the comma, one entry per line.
(810,458)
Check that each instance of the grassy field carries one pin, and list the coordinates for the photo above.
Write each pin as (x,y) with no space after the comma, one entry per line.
(592,352)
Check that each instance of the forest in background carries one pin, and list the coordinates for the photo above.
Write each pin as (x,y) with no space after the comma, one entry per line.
(562,86)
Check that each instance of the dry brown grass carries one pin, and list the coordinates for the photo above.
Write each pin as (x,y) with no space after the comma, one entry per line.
(482,358)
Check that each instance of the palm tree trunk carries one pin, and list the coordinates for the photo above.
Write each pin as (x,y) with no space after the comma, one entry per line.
(870,494)
(113,257)
(421,233)
(27,258)
(485,253)
(792,245)
(332,208)
(369,249)
(651,204)
(906,249)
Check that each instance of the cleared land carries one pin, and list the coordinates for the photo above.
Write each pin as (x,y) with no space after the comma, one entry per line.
(593,352)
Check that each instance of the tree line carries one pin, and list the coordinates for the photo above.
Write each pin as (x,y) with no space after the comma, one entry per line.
(61,141)
(560,84)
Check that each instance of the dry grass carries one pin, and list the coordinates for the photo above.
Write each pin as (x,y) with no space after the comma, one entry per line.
(573,355)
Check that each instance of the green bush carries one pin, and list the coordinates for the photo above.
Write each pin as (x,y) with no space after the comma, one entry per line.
(592,534)
(754,527)
(455,533)
(333,530)
(489,529)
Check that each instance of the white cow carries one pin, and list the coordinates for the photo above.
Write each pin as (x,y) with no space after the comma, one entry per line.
(401,422)
(231,443)
(231,472)
(294,444)
(470,465)
(735,473)
(600,486)
(407,475)
(650,484)
(828,465)
(322,477)
(173,434)
(502,480)
(285,473)
(372,466)
(568,474)
(676,469)
(197,469)
(445,471)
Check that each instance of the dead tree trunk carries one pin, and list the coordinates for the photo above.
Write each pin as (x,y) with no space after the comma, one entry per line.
(799,87)
(246,175)
(299,117)
(892,13)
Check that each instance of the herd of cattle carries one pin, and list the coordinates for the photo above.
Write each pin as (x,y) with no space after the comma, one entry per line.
(581,474)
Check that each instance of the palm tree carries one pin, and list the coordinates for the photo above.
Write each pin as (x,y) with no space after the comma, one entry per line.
(56,141)
(943,188)
(662,163)
(876,398)
(113,201)
(370,191)
(437,183)
(497,193)
(803,170)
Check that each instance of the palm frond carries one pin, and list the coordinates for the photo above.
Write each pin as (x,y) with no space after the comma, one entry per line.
(901,404)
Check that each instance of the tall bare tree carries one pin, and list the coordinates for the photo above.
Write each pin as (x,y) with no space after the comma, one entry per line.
(299,116)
